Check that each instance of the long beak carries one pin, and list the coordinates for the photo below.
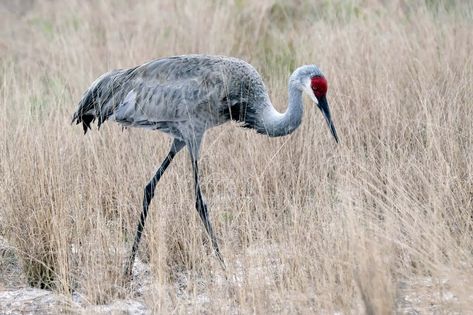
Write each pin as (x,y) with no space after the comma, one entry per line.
(323,105)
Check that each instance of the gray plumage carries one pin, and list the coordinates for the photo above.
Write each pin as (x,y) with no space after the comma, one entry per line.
(173,94)
(186,95)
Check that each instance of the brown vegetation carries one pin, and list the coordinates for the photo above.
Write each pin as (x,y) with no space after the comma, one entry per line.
(379,223)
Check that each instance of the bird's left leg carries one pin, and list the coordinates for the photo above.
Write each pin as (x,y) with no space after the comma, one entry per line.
(176,146)
(201,206)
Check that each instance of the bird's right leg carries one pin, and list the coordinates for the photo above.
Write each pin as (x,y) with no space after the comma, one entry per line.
(176,146)
(201,206)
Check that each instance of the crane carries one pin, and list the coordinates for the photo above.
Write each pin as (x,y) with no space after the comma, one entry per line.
(184,96)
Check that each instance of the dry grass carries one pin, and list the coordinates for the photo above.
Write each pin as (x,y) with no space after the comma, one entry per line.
(380,223)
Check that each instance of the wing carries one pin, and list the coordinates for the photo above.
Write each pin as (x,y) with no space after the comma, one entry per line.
(173,89)
(150,103)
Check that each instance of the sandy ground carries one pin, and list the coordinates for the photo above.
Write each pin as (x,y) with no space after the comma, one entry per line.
(16,297)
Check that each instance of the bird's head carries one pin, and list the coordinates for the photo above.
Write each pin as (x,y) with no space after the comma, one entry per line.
(312,81)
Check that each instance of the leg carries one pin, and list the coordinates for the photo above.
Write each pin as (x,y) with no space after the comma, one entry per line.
(176,146)
(202,207)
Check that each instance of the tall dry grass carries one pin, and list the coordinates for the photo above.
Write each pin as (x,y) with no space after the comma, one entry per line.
(380,223)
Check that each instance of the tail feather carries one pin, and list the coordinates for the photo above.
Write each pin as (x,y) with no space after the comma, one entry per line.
(86,121)
(98,101)
(85,111)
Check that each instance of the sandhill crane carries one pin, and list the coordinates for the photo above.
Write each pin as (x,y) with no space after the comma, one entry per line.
(184,96)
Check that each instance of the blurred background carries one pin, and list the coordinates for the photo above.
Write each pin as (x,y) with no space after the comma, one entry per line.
(381,223)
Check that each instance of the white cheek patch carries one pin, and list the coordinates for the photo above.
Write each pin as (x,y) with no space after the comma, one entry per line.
(308,91)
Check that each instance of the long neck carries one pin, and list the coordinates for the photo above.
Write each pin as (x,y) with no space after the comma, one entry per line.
(278,124)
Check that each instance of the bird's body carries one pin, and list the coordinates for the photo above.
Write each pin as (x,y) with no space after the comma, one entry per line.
(186,95)
(178,95)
